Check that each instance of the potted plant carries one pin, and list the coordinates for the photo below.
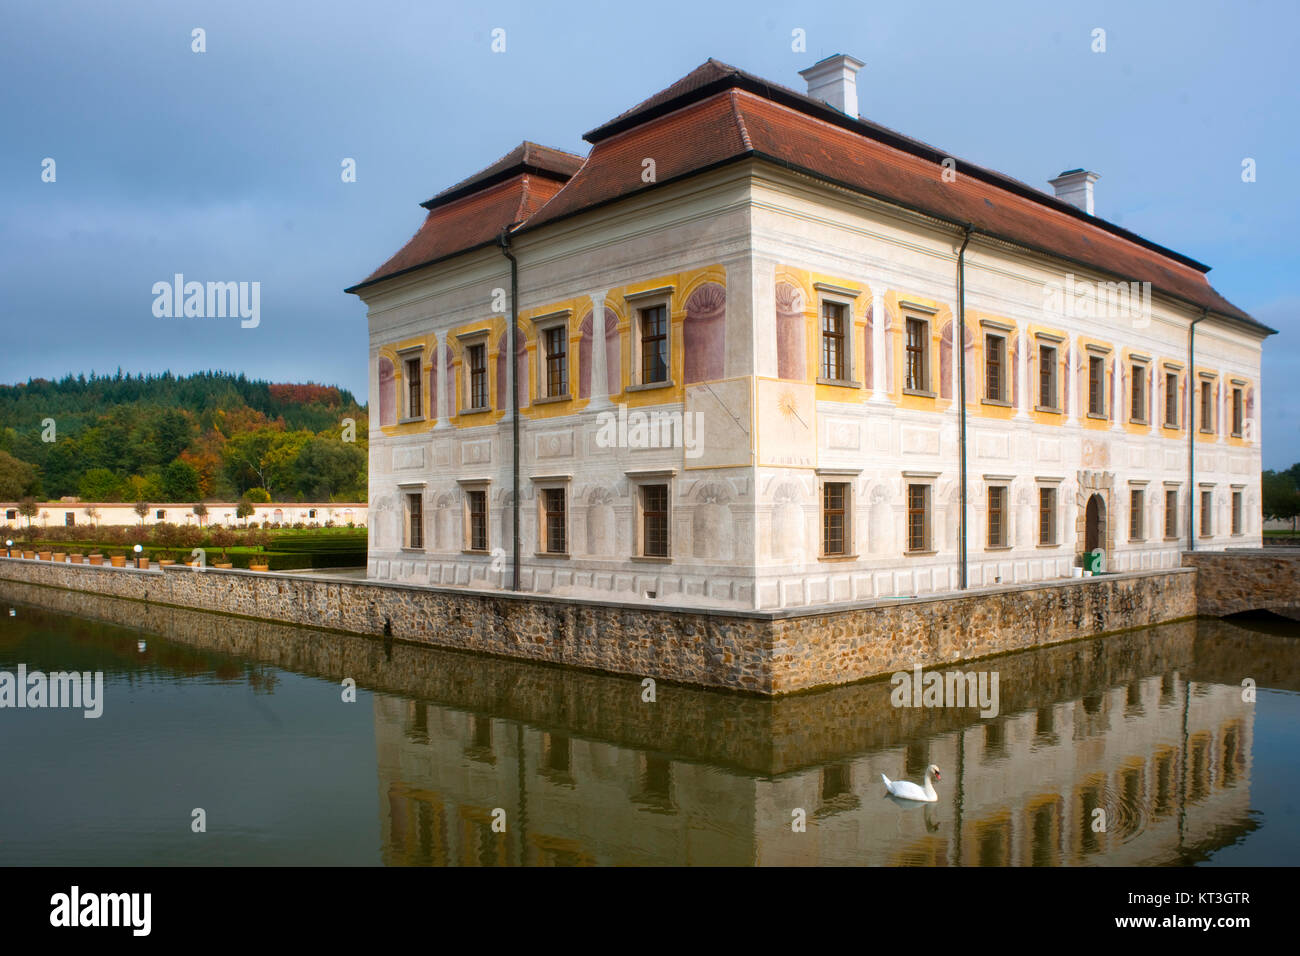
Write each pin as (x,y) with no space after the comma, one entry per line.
(47,555)
(117,560)
(76,558)
(95,559)
(59,557)
(221,538)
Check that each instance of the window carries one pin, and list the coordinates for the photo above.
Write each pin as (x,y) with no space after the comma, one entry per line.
(918,517)
(69,519)
(653,329)
(476,365)
(1096,386)
(11,514)
(1047,516)
(1238,413)
(997,516)
(917,357)
(1207,513)
(555,346)
(414,400)
(995,363)
(1138,394)
(476,506)
(1136,514)
(833,341)
(159,514)
(311,512)
(1236,512)
(654,521)
(555,521)
(415,520)
(1171,513)
(1207,406)
(1171,400)
(1047,377)
(835,512)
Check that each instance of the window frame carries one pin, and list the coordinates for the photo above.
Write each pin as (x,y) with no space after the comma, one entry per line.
(412,533)
(409,382)
(1137,512)
(1173,374)
(1053,536)
(469,489)
(545,486)
(1003,540)
(641,481)
(925,359)
(1100,359)
(926,512)
(638,305)
(1002,337)
(1206,513)
(842,299)
(1237,519)
(545,326)
(845,478)
(1137,386)
(470,343)
(1171,514)
(1204,394)
(1238,411)
(1052,367)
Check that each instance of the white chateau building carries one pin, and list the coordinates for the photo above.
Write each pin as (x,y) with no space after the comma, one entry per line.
(737,380)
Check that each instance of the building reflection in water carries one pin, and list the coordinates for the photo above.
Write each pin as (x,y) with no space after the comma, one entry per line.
(1130,750)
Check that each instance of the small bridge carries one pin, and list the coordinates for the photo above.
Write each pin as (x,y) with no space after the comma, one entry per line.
(1229,582)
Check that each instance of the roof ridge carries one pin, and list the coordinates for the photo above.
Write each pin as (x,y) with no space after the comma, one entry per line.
(740,119)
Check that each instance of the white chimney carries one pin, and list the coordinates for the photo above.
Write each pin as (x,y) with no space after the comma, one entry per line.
(1075,187)
(835,81)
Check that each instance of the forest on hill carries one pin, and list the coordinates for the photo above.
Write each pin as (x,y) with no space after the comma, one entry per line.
(162,438)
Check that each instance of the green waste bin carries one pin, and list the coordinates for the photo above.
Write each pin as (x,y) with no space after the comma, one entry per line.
(1092,562)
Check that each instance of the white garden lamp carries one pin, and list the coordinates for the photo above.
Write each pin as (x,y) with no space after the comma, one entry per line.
(137,549)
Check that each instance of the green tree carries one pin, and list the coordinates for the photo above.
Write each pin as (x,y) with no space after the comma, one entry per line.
(263,458)
(201,512)
(180,481)
(27,508)
(1281,496)
(327,467)
(141,508)
(243,510)
(17,478)
(100,484)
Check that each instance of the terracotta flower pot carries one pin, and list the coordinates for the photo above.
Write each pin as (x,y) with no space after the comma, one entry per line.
(144,564)
(95,559)
(164,563)
(223,564)
(118,560)
(77,558)
(259,567)
(29,555)
(46,555)
(60,557)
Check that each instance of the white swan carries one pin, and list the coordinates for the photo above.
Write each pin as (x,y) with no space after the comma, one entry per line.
(906,790)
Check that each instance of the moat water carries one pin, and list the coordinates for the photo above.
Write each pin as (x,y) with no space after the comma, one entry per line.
(1137,749)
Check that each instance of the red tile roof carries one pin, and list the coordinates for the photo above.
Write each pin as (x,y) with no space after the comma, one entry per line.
(473,213)
(717,114)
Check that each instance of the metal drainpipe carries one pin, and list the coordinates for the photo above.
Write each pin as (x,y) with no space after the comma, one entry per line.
(1191,429)
(959,344)
(513,361)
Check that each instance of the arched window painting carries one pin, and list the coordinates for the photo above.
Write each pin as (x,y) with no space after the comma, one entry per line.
(521,369)
(790,325)
(612,353)
(387,393)
(704,337)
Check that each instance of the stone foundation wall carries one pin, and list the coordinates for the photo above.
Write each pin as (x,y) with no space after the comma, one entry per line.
(759,652)
(1229,582)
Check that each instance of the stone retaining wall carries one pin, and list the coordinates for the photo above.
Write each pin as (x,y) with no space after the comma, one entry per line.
(1229,582)
(759,652)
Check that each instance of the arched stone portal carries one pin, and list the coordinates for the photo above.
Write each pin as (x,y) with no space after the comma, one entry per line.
(1094,524)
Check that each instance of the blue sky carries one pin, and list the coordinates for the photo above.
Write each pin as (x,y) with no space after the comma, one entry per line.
(225,165)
